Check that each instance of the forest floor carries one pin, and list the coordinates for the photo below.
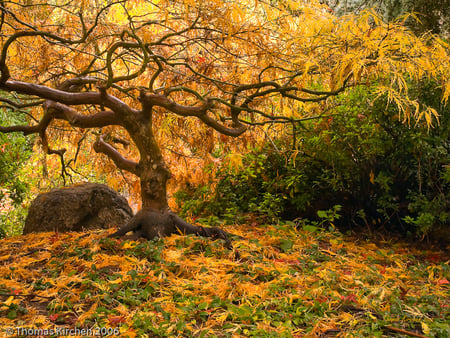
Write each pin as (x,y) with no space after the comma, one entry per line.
(277,282)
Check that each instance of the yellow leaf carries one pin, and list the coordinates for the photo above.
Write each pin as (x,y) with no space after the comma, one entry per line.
(222,318)
(372,177)
(129,245)
(9,301)
(235,160)
(425,328)
(126,332)
(87,314)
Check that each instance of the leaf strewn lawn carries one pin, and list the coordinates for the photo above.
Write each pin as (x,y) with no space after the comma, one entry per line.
(283,283)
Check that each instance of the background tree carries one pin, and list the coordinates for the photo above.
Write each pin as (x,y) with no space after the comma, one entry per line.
(149,71)
(431,16)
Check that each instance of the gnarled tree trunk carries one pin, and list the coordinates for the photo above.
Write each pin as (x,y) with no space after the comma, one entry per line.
(155,219)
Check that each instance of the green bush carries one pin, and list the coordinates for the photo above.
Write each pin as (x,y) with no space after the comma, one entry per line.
(383,172)
(15,149)
(248,190)
(386,173)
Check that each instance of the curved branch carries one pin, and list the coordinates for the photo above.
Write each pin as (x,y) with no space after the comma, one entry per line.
(5,74)
(50,151)
(109,62)
(75,84)
(285,91)
(100,146)
(69,98)
(163,101)
(52,94)
(98,120)
(59,111)
(157,73)
(183,89)
(26,130)
(21,105)
(41,130)
(56,110)
(234,132)
(150,100)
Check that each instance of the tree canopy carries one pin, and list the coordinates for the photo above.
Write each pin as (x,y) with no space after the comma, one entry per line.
(147,83)
(155,72)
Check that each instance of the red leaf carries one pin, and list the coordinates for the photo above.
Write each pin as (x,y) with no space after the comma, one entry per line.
(54,238)
(54,317)
(323,299)
(350,298)
(442,281)
(116,319)
(434,258)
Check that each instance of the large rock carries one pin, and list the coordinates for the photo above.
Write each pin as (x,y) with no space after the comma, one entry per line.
(77,208)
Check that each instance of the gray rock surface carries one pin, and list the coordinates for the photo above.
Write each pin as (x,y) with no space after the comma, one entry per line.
(80,207)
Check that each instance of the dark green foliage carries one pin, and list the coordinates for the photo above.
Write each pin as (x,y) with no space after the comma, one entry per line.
(252,189)
(15,149)
(384,173)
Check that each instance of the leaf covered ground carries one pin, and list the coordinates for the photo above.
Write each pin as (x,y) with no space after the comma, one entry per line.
(278,282)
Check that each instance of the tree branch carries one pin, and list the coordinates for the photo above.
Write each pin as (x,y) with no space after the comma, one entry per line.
(52,94)
(56,110)
(5,74)
(197,111)
(50,151)
(100,98)
(98,120)
(100,146)
(26,130)
(74,84)
(21,105)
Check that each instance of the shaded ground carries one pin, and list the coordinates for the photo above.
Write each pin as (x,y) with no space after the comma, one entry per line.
(286,283)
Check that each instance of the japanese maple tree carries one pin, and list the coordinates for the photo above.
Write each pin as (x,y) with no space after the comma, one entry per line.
(124,68)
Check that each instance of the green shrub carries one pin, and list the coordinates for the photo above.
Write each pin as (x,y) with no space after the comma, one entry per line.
(383,172)
(15,149)
(252,189)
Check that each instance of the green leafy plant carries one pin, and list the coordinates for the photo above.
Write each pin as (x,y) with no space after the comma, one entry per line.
(15,149)
(384,173)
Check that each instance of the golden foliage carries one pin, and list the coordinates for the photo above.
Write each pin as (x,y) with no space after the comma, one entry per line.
(75,280)
(209,49)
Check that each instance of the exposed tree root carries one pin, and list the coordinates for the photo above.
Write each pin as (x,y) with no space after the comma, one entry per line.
(150,223)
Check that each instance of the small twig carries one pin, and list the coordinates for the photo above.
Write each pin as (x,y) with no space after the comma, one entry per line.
(33,251)
(25,296)
(409,333)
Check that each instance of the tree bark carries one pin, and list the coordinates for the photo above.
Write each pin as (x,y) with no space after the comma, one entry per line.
(149,223)
(151,169)
(155,218)
(154,177)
